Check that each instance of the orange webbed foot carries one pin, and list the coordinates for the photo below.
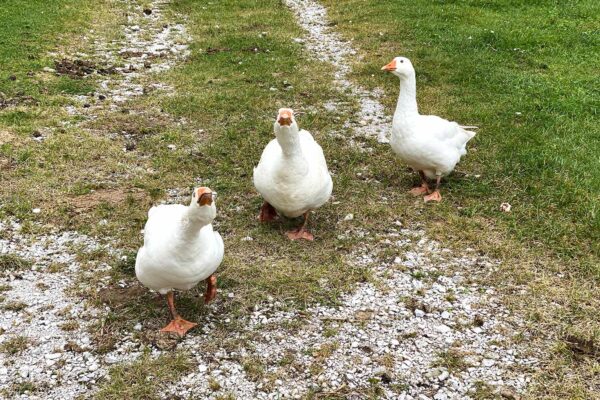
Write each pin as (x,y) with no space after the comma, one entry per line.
(419,190)
(435,196)
(179,325)
(300,234)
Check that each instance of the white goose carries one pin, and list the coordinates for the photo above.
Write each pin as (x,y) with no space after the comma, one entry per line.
(292,174)
(181,249)
(430,145)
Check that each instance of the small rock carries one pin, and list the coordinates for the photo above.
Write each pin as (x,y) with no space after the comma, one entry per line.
(172,147)
(486,362)
(111,360)
(509,394)
(419,313)
(36,210)
(137,327)
(12,77)
(48,69)
(505,207)
(443,376)
(349,217)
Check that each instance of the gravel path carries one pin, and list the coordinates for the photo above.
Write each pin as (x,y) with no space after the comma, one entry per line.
(422,331)
(327,45)
(58,359)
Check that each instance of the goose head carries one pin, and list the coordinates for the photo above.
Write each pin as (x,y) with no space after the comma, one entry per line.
(400,66)
(285,119)
(286,129)
(203,204)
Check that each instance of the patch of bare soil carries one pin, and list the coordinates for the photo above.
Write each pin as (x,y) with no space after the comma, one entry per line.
(81,68)
(19,99)
(6,137)
(215,50)
(106,196)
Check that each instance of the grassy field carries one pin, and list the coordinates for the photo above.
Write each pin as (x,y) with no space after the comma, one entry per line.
(527,81)
(523,71)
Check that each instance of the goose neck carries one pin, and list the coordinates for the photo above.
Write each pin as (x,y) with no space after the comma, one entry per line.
(289,141)
(407,99)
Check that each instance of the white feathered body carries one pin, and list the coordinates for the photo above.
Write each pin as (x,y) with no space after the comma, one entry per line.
(177,254)
(295,181)
(429,143)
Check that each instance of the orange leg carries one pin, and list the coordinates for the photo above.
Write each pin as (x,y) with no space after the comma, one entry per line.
(267,213)
(435,196)
(302,232)
(423,188)
(178,325)
(211,289)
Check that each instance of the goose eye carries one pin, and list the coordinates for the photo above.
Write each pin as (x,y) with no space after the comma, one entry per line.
(401,61)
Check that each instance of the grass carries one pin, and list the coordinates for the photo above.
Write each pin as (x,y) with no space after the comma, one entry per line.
(452,360)
(527,82)
(13,263)
(15,345)
(13,306)
(131,381)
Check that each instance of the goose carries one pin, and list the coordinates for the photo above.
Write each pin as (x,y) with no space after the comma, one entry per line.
(180,250)
(292,175)
(430,145)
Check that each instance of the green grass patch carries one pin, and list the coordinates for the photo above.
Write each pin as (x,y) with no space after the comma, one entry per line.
(13,263)
(15,345)
(130,381)
(523,72)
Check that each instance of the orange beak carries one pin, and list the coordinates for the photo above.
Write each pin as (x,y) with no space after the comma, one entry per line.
(390,67)
(205,196)
(285,116)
